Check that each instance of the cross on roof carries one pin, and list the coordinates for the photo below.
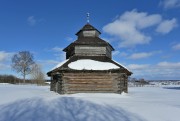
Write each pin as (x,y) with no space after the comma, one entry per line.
(88,14)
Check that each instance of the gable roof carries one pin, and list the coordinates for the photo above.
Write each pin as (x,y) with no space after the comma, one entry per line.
(64,66)
(94,41)
(87,27)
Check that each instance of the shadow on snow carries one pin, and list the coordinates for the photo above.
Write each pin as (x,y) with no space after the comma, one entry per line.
(175,88)
(62,109)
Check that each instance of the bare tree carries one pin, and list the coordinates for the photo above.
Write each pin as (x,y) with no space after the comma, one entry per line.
(37,74)
(21,63)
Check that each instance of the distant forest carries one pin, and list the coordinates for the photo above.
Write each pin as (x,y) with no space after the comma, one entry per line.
(14,80)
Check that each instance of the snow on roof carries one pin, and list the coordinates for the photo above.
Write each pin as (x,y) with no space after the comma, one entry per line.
(60,64)
(122,65)
(88,64)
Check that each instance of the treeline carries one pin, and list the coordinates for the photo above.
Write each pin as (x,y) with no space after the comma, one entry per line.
(14,80)
(137,82)
(10,79)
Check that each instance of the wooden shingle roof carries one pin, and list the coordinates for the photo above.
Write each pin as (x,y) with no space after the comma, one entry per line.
(64,67)
(94,41)
(87,27)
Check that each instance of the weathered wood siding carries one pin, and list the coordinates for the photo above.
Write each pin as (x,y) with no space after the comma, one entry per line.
(108,52)
(88,34)
(92,51)
(91,82)
(53,83)
(70,53)
(89,51)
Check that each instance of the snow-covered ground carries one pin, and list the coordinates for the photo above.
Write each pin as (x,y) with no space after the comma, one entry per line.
(37,103)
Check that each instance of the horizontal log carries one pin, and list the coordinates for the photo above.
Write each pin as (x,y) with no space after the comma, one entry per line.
(86,89)
(88,79)
(87,86)
(90,50)
(93,73)
(88,76)
(88,47)
(91,79)
(90,91)
(87,82)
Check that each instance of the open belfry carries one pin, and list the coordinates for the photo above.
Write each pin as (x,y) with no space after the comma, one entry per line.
(89,67)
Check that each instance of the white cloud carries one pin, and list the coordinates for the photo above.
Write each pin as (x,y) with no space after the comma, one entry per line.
(166,26)
(4,66)
(31,20)
(57,56)
(123,54)
(161,70)
(59,53)
(143,55)
(48,62)
(140,19)
(69,39)
(176,47)
(57,49)
(140,55)
(129,27)
(169,65)
(167,4)
(4,56)
(114,53)
(109,39)
(170,70)
(52,62)
(137,66)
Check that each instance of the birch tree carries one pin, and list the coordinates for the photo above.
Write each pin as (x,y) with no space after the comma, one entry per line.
(22,62)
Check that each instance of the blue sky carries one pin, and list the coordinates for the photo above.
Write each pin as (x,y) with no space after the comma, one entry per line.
(145,34)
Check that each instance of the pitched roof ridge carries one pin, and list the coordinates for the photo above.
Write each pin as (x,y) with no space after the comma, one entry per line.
(87,27)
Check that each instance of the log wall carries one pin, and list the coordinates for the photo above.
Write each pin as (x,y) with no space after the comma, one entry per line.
(69,83)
